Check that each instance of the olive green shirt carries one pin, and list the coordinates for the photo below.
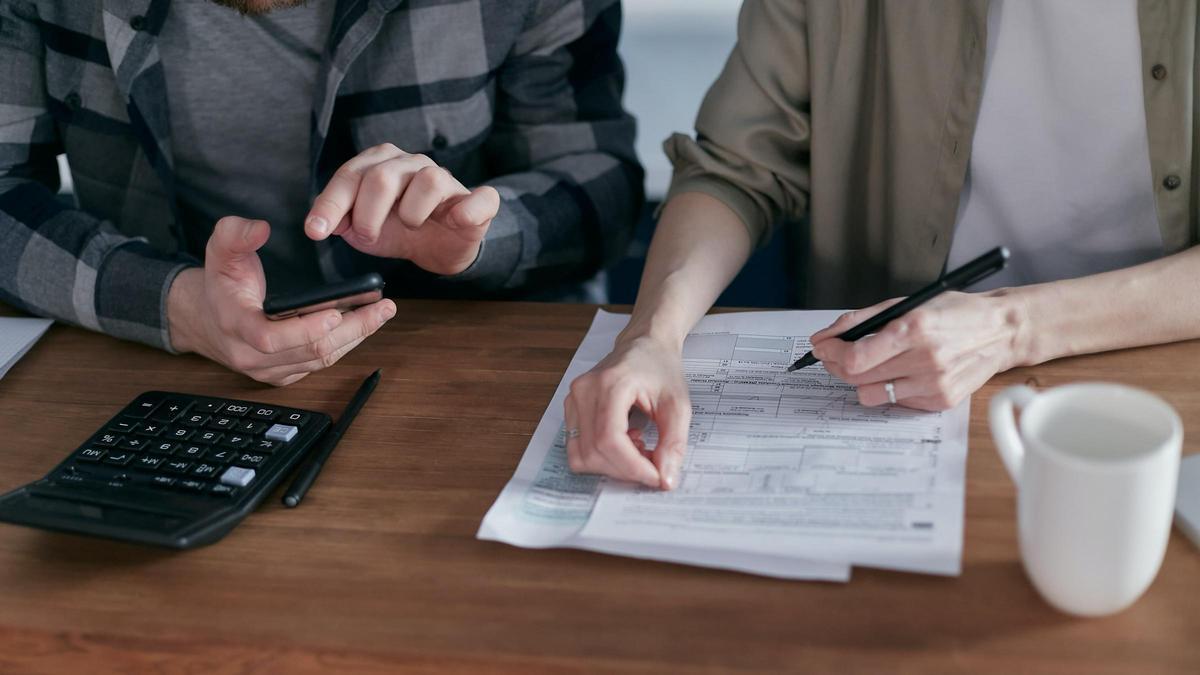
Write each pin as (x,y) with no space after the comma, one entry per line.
(860,115)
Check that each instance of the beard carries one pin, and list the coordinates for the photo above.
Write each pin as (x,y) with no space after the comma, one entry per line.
(259,7)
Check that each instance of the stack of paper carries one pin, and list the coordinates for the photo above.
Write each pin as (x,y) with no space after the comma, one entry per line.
(786,475)
(16,337)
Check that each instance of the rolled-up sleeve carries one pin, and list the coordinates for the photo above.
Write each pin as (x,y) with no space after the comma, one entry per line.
(753,130)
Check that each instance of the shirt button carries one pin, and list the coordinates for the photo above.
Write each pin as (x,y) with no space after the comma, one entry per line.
(74,101)
(1159,72)
(138,23)
(1171,182)
(440,142)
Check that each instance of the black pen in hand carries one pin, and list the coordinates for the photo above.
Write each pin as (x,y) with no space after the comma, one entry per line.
(977,270)
(312,468)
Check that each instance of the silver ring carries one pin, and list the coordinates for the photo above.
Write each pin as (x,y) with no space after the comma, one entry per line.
(572,433)
(890,388)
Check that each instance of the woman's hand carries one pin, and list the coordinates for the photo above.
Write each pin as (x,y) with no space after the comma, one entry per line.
(642,372)
(936,355)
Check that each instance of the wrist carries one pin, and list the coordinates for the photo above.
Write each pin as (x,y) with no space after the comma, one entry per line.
(1017,318)
(183,299)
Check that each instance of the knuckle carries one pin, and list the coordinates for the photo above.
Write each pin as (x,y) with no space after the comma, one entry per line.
(321,350)
(242,362)
(575,462)
(424,159)
(920,322)
(384,149)
(379,176)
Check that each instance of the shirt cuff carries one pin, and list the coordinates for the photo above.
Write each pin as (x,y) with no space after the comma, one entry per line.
(691,176)
(131,294)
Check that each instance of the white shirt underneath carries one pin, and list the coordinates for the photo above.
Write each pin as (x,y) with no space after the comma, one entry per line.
(1060,162)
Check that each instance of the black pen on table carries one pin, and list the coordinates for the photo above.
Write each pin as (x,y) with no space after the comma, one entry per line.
(977,270)
(312,468)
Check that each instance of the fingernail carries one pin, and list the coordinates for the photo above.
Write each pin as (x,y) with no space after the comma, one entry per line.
(670,470)
(248,229)
(318,225)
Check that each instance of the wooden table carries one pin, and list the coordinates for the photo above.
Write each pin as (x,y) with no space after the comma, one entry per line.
(380,567)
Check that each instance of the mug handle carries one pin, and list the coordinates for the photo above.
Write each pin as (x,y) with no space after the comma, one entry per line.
(1004,427)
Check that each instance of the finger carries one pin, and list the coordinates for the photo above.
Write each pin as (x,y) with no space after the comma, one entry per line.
(856,358)
(674,417)
(273,337)
(234,240)
(381,185)
(426,191)
(610,428)
(279,374)
(473,212)
(337,199)
(851,319)
(580,460)
(356,326)
(910,363)
(875,394)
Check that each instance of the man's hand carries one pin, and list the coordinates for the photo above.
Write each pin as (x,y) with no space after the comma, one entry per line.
(640,372)
(935,356)
(217,312)
(388,203)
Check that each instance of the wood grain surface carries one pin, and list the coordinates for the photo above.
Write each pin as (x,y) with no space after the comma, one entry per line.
(379,570)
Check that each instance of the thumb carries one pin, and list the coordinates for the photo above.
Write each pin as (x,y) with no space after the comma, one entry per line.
(674,417)
(235,239)
(476,210)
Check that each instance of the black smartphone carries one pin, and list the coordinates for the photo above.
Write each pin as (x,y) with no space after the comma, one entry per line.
(342,295)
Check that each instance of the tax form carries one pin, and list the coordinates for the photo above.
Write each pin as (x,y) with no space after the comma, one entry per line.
(786,475)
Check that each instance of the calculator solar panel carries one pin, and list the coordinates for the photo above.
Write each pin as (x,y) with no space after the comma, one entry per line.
(170,469)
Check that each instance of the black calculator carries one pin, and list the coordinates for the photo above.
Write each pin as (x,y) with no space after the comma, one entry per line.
(170,469)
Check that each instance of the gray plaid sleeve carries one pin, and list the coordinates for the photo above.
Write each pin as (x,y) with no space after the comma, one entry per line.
(569,180)
(56,261)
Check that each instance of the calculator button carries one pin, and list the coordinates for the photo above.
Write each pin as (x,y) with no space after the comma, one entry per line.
(222,490)
(149,462)
(222,423)
(295,418)
(194,420)
(220,455)
(250,427)
(161,481)
(149,429)
(236,441)
(266,446)
(192,485)
(236,409)
(133,443)
(118,458)
(179,434)
(90,455)
(170,410)
(177,466)
(281,432)
(164,448)
(208,407)
(143,406)
(190,451)
(251,459)
(266,414)
(123,425)
(209,437)
(237,477)
(107,440)
(206,470)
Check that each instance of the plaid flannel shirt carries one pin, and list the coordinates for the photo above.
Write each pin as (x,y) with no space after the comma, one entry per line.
(523,95)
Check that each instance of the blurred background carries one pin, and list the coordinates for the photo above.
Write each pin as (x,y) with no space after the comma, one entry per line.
(673,50)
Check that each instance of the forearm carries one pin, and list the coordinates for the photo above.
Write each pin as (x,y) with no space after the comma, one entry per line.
(1153,303)
(698,248)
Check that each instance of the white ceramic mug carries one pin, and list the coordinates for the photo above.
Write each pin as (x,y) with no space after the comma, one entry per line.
(1096,467)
